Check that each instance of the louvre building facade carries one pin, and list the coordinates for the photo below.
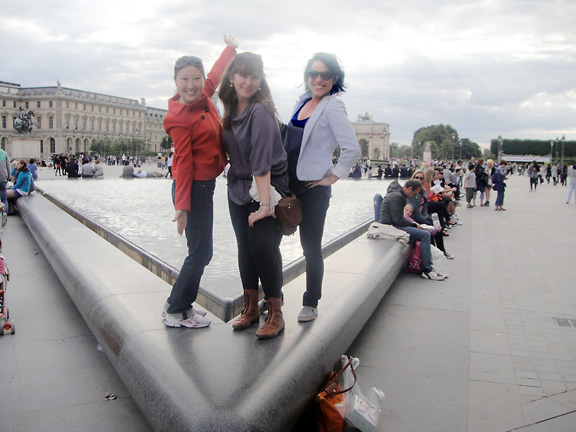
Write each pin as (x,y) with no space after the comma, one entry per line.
(69,121)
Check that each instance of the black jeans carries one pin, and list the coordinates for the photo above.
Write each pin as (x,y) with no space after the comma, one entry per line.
(259,257)
(315,203)
(200,247)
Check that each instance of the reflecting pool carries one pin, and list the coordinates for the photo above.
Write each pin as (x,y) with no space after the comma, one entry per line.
(141,211)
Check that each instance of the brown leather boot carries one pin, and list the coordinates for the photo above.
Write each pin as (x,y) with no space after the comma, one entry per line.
(274,321)
(250,314)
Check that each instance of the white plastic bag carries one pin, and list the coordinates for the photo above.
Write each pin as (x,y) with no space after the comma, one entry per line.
(365,414)
(439,261)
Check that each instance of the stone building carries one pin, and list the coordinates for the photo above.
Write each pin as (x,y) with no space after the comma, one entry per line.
(373,137)
(69,120)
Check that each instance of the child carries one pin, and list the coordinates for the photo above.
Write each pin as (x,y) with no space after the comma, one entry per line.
(470,184)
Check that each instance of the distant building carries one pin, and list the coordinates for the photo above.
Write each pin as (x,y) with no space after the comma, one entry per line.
(373,137)
(71,120)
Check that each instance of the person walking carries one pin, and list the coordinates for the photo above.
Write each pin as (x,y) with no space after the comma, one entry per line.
(571,183)
(499,186)
(318,125)
(194,125)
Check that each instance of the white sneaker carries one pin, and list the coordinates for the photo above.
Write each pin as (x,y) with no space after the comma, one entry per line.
(449,256)
(433,276)
(5,218)
(307,313)
(193,321)
(189,312)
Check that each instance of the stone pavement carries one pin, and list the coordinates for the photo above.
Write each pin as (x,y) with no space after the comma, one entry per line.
(490,349)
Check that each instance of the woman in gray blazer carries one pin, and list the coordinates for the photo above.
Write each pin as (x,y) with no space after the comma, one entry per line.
(318,126)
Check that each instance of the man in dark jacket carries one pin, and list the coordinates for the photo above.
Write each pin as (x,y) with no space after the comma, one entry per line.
(392,213)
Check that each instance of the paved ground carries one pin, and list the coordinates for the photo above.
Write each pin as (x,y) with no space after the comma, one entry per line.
(491,349)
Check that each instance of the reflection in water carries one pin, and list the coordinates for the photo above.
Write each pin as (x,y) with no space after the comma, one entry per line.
(141,211)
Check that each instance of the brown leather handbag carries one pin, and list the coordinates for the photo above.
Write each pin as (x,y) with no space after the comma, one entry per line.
(288,214)
(328,418)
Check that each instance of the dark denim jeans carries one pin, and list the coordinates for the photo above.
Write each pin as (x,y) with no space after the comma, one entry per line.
(4,195)
(259,257)
(315,203)
(200,247)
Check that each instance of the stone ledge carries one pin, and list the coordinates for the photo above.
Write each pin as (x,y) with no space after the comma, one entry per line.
(212,379)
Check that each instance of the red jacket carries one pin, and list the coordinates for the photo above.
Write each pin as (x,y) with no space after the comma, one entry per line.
(196,131)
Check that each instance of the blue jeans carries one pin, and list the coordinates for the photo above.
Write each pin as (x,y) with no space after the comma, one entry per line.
(200,247)
(499,198)
(314,203)
(4,195)
(416,234)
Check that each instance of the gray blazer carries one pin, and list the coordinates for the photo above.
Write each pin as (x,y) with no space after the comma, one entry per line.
(327,128)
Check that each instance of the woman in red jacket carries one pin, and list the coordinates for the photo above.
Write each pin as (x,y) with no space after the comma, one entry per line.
(194,125)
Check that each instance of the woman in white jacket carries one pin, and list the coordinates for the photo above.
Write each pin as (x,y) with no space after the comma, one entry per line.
(318,126)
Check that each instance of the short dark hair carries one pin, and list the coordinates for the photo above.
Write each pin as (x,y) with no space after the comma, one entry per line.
(182,62)
(413,184)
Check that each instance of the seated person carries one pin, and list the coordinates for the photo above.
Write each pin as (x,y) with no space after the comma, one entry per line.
(127,170)
(23,181)
(140,173)
(72,168)
(98,170)
(87,169)
(33,169)
(392,213)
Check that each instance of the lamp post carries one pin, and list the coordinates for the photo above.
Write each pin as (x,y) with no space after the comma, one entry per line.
(453,146)
(563,139)
(500,141)
(551,147)
(460,150)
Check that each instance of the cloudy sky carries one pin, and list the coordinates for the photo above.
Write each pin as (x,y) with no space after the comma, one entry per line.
(486,67)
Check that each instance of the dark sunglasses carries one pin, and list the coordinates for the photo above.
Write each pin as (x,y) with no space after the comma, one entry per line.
(325,75)
(418,178)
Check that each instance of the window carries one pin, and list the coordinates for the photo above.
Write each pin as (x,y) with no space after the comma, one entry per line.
(4,104)
(39,120)
(67,104)
(41,146)
(27,105)
(52,145)
(4,122)
(50,104)
(14,104)
(38,104)
(50,122)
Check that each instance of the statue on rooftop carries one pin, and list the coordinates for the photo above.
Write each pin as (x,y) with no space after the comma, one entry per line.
(25,120)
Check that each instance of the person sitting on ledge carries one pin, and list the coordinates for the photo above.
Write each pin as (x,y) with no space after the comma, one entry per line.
(140,173)
(87,169)
(127,170)
(72,168)
(23,181)
(392,213)
(98,169)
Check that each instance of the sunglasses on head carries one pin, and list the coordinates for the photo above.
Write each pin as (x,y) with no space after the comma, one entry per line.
(325,75)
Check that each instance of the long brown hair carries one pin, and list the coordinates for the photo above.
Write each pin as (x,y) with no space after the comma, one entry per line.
(250,64)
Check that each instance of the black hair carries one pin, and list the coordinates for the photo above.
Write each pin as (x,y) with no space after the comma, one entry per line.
(333,65)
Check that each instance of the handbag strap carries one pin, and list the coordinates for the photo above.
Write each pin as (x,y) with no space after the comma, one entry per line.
(338,374)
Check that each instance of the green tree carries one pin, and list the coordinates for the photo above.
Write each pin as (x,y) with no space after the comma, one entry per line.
(166,143)
(444,139)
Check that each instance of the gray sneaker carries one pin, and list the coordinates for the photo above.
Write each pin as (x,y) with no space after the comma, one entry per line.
(193,321)
(189,312)
(433,275)
(307,314)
